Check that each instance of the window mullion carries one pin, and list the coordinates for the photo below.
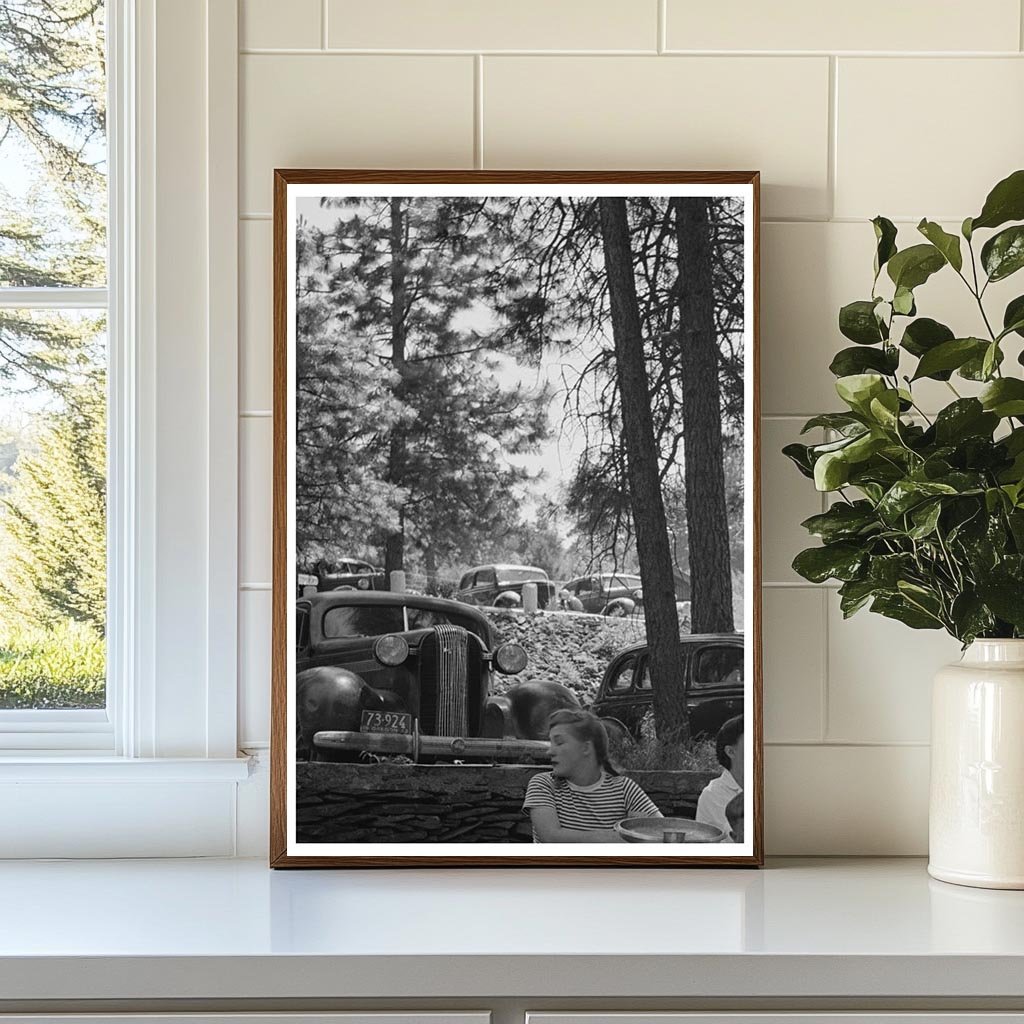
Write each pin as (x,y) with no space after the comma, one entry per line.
(53,298)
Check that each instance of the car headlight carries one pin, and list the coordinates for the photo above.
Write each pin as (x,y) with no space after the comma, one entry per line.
(510,659)
(391,650)
(363,583)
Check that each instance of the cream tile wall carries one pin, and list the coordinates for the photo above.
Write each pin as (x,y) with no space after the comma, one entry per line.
(910,109)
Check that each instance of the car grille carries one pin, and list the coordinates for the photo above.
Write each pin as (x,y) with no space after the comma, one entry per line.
(450,679)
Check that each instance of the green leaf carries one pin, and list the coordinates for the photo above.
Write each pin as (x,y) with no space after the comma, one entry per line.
(857,321)
(831,471)
(947,244)
(858,389)
(841,421)
(887,570)
(950,355)
(885,409)
(854,595)
(912,267)
(1003,254)
(900,609)
(855,360)
(923,335)
(843,521)
(906,494)
(1013,317)
(885,236)
(925,518)
(799,455)
(1004,596)
(903,302)
(990,360)
(966,417)
(1005,202)
(832,561)
(1004,397)
(965,229)
(974,368)
(970,617)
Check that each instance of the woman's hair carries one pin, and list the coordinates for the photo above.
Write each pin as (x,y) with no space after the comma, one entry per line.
(585,725)
(727,736)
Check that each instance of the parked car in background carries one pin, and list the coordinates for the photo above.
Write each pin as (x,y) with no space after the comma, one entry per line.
(606,594)
(388,673)
(349,574)
(713,666)
(501,586)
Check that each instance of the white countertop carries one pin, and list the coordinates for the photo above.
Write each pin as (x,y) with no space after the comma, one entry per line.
(235,929)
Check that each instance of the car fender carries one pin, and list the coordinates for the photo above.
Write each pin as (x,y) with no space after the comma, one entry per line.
(532,704)
(508,599)
(329,697)
(498,721)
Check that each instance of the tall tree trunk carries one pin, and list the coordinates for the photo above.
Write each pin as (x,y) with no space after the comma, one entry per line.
(665,655)
(394,542)
(706,517)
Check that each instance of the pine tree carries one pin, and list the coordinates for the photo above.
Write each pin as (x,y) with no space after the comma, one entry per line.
(53,519)
(404,421)
(52,123)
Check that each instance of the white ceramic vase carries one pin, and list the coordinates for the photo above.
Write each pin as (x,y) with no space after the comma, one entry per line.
(976,815)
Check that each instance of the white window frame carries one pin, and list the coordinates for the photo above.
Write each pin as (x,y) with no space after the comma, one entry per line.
(171,719)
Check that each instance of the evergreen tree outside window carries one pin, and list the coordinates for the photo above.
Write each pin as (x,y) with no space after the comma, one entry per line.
(53,358)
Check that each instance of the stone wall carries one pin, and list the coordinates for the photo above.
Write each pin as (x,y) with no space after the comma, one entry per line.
(392,803)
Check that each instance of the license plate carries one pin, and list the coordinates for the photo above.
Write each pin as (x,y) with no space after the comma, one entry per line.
(386,721)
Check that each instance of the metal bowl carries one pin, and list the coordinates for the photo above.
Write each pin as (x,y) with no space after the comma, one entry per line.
(668,830)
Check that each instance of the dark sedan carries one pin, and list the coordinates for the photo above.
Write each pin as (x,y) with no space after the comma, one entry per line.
(713,667)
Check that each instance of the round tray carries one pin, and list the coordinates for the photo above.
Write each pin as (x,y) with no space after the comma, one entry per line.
(668,830)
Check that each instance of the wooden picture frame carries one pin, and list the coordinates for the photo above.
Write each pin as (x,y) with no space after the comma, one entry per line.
(325,813)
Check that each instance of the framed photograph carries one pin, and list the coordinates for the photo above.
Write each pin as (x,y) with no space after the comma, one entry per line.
(516,552)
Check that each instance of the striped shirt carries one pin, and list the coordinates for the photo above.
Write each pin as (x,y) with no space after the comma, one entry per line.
(582,808)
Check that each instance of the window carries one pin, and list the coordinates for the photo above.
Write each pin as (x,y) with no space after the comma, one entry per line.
(622,681)
(53,362)
(173,585)
(718,666)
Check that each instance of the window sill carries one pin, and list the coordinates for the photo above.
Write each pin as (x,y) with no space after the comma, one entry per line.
(81,767)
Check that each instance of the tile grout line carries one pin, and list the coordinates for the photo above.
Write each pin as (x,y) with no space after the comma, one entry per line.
(831,172)
(323,24)
(1020,23)
(824,723)
(478,111)
(663,26)
(768,55)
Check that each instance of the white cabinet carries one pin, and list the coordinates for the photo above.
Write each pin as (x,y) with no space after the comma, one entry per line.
(786,1017)
(362,1017)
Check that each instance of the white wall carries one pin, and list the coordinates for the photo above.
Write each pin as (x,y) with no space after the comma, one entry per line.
(906,109)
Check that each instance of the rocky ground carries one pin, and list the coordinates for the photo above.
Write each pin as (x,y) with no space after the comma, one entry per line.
(564,647)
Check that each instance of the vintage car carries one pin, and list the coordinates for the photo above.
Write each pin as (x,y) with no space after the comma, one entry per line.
(501,586)
(714,683)
(388,673)
(349,574)
(615,594)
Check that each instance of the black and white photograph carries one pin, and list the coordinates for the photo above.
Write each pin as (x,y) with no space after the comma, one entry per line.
(516,566)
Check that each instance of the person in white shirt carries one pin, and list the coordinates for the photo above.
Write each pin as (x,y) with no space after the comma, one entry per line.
(716,795)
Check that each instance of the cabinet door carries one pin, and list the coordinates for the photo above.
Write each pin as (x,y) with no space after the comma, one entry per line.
(361,1017)
(786,1017)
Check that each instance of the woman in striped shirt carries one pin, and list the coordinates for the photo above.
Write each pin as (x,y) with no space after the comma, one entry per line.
(582,797)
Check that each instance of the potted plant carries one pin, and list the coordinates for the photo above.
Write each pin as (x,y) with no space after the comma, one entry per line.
(927,521)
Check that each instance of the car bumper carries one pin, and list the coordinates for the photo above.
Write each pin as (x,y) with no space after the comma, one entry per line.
(417,745)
